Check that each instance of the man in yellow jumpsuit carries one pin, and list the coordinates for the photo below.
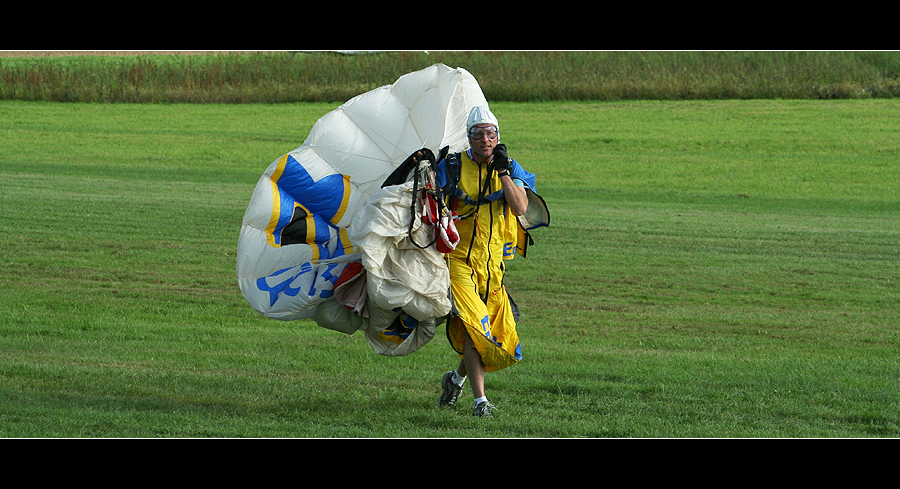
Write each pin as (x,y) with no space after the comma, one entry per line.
(488,195)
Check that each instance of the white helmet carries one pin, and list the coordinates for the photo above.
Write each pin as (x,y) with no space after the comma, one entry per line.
(481,115)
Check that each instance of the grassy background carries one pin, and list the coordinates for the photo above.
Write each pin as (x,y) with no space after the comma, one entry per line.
(713,269)
(277,77)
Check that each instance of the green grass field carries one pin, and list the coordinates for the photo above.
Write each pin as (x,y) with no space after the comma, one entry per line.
(504,76)
(713,269)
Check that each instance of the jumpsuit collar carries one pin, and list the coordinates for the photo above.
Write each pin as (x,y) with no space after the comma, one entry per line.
(471,156)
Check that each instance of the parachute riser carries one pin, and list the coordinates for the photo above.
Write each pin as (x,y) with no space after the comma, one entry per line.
(428,201)
(424,184)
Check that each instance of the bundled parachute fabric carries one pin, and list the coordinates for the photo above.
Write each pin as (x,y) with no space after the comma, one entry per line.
(400,273)
(401,276)
(295,241)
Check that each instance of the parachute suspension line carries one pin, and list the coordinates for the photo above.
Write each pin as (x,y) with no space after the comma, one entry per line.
(487,285)
(484,187)
(417,171)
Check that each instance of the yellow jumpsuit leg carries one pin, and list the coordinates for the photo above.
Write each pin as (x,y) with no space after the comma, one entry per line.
(490,324)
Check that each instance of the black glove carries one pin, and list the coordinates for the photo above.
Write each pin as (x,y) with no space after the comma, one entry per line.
(422,154)
(501,159)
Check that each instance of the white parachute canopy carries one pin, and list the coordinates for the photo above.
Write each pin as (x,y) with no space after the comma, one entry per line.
(294,241)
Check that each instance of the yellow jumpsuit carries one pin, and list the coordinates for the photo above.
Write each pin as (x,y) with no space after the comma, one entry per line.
(488,235)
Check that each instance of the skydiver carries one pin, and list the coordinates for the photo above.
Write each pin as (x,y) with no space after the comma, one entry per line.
(482,325)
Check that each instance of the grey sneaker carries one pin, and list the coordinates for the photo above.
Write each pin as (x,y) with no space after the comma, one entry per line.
(484,409)
(451,391)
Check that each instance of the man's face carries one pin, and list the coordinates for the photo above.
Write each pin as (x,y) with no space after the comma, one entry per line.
(484,138)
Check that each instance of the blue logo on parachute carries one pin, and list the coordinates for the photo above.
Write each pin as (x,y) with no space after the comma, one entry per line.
(285,280)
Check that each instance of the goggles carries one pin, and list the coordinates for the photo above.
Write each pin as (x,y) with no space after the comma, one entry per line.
(477,133)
